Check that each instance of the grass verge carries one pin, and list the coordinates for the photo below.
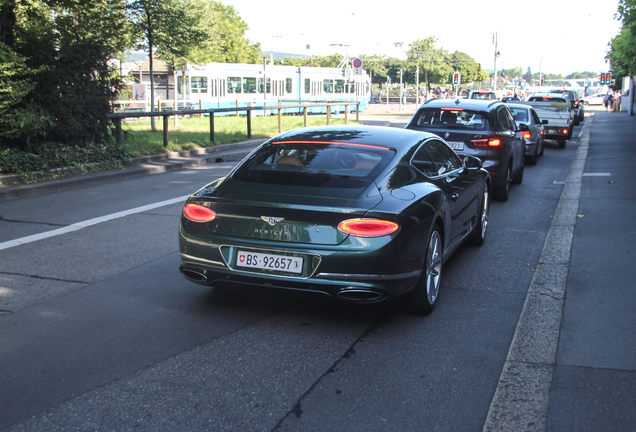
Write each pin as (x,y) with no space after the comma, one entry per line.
(194,132)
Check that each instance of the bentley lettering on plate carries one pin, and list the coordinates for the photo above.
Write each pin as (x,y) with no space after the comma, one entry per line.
(269,262)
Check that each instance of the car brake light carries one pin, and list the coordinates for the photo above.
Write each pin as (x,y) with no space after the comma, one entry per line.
(367,227)
(198,213)
(563,131)
(526,135)
(487,142)
(451,109)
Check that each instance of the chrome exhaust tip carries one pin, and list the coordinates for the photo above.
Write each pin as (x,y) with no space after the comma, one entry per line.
(194,275)
(360,295)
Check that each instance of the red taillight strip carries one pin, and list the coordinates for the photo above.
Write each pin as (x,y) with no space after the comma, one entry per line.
(368,227)
(198,213)
(487,142)
(332,142)
(452,109)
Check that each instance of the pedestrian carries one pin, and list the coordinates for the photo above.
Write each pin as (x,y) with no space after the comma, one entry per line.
(606,99)
(617,101)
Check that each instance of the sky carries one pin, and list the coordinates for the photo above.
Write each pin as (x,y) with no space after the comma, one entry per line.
(551,36)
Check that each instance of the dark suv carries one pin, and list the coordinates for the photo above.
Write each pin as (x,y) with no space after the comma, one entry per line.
(577,105)
(481,128)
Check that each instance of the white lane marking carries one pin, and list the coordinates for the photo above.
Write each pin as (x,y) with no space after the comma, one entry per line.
(596,174)
(88,223)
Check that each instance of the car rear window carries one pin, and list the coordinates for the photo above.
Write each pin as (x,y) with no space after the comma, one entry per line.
(452,118)
(483,95)
(548,99)
(519,114)
(334,165)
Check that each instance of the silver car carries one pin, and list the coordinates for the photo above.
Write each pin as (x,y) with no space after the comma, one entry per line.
(524,114)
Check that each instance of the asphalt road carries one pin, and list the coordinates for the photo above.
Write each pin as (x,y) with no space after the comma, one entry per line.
(99,331)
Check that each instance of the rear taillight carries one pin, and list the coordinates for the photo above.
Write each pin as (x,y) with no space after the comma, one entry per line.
(526,135)
(563,131)
(487,142)
(198,213)
(368,227)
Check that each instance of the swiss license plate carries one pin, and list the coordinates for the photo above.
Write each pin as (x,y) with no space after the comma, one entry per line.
(266,261)
(456,145)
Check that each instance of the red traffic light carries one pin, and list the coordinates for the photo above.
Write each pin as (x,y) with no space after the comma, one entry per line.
(603,78)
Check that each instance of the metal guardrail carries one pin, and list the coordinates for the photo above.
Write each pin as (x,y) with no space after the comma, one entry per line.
(117,117)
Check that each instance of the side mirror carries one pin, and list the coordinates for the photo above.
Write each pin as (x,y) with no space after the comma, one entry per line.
(523,127)
(472,162)
(544,121)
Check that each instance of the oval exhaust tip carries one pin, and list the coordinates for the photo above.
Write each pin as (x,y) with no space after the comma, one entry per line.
(357,294)
(194,275)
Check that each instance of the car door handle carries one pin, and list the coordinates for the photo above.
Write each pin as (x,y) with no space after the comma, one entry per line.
(454,196)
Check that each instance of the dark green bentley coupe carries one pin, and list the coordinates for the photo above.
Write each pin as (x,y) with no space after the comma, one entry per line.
(362,214)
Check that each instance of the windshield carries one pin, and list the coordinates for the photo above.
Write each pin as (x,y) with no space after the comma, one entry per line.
(334,165)
(453,118)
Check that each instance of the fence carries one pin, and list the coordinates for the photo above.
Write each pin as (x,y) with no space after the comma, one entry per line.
(117,117)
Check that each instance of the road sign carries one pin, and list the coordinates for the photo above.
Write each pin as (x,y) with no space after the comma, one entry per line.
(357,63)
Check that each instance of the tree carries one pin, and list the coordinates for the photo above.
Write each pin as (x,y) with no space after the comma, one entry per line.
(57,59)
(230,44)
(172,29)
(622,48)
(431,60)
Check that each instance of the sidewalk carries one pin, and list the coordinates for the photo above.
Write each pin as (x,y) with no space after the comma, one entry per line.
(594,383)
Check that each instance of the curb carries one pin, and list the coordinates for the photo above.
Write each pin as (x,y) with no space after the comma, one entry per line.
(11,187)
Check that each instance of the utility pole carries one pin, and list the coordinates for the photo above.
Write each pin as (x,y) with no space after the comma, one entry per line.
(401,91)
(494,80)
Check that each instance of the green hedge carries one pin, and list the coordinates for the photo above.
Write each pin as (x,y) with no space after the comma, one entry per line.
(51,156)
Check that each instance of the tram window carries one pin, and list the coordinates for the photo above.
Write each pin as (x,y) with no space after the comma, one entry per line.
(339,86)
(288,85)
(180,85)
(199,84)
(233,84)
(260,85)
(249,85)
(307,85)
(328,86)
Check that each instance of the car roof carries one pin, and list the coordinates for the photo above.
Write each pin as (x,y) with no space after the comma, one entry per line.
(395,138)
(472,104)
(518,105)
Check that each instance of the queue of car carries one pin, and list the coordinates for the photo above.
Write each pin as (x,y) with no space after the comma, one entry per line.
(365,214)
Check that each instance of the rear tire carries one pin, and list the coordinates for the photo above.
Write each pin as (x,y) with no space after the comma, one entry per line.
(503,192)
(519,177)
(532,160)
(423,298)
(478,236)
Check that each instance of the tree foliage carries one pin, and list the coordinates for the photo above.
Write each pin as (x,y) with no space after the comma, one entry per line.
(59,79)
(622,48)
(230,45)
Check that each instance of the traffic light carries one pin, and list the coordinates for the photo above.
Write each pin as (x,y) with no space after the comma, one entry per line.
(603,78)
(541,80)
(456,78)
(608,78)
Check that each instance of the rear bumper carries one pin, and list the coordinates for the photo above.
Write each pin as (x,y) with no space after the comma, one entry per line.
(367,288)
